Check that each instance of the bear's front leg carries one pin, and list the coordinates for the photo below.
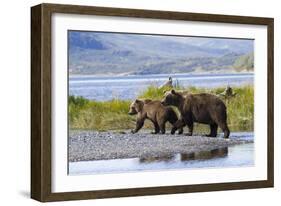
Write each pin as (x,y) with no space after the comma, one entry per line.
(190,129)
(139,125)
(156,128)
(178,125)
(214,129)
(162,127)
(180,131)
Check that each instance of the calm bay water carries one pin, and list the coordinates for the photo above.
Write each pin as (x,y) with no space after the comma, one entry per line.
(129,87)
(234,156)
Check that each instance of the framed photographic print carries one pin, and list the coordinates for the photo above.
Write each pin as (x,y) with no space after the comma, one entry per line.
(132,102)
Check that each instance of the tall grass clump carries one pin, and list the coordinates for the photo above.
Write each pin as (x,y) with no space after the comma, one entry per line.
(90,114)
(240,109)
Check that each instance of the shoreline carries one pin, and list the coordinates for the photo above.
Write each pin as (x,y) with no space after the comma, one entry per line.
(145,75)
(85,145)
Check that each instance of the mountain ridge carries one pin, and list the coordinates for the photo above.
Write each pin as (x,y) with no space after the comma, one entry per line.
(104,53)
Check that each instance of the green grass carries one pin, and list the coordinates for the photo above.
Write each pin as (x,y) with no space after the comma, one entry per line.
(110,115)
(113,115)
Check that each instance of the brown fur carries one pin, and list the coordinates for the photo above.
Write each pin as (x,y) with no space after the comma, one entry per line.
(155,112)
(202,108)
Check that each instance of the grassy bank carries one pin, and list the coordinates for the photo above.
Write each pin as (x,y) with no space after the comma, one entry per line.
(113,115)
(110,115)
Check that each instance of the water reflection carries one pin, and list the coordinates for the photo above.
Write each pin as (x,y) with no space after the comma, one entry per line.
(202,155)
(233,156)
(162,158)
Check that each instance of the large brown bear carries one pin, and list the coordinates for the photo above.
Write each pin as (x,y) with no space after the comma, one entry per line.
(157,113)
(202,108)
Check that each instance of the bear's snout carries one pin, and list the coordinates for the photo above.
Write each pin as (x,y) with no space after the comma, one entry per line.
(132,111)
(163,102)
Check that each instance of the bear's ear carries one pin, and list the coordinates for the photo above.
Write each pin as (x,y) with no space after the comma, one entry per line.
(137,100)
(173,91)
(164,91)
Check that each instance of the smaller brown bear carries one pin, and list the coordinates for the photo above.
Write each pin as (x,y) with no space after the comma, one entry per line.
(202,108)
(155,112)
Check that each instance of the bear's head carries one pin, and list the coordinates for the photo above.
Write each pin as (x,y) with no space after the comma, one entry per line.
(171,98)
(136,107)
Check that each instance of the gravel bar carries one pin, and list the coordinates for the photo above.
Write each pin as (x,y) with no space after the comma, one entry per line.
(93,145)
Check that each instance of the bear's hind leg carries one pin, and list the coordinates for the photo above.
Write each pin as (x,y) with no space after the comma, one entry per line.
(214,129)
(225,130)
